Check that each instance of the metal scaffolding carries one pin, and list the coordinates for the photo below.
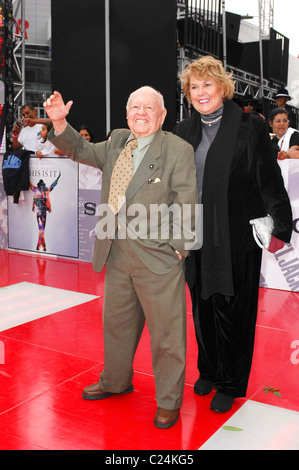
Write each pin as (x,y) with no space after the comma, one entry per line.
(202,32)
(19,46)
(266,12)
(12,74)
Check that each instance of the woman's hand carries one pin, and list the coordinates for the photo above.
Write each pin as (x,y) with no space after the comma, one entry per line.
(293,152)
(282,155)
(275,245)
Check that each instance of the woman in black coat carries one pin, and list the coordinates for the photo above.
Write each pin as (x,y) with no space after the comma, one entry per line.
(241,190)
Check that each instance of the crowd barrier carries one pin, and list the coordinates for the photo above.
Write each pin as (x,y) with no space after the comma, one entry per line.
(68,218)
(281,270)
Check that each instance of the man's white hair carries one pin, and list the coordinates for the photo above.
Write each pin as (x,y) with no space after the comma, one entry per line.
(149,88)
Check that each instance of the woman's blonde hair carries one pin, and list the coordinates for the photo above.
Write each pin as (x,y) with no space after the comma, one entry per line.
(206,67)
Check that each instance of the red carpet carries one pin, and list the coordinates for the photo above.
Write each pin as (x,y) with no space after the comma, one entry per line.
(45,364)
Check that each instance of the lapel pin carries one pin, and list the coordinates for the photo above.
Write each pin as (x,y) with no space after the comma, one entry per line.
(151,166)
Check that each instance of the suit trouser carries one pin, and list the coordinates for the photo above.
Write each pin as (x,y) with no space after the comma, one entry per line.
(133,294)
(225,327)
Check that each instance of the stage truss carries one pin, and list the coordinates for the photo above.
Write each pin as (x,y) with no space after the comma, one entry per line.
(12,74)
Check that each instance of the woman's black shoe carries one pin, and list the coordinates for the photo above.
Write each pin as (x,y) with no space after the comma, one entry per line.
(221,403)
(203,387)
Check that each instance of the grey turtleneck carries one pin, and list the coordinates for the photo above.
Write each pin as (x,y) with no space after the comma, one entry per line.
(209,132)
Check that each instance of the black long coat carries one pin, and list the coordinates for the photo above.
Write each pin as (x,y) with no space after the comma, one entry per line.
(242,181)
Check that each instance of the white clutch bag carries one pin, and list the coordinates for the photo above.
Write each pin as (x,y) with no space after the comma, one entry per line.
(262,229)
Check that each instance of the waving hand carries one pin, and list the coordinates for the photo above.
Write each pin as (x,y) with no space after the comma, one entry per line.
(57,111)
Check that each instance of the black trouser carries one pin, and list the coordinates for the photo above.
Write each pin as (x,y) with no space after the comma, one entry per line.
(225,327)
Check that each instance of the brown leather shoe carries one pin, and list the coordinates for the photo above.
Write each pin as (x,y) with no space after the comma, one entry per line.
(164,419)
(94,392)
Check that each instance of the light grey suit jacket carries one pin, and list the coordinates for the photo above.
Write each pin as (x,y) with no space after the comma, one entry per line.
(169,161)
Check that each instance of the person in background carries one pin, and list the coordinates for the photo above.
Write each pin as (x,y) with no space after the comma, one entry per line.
(282,97)
(26,131)
(44,147)
(241,189)
(249,104)
(86,133)
(285,139)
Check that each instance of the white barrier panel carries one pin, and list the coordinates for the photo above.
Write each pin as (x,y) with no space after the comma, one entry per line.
(3,212)
(281,270)
(90,185)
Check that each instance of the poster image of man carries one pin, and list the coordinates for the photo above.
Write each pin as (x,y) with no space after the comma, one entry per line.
(41,205)
(42,219)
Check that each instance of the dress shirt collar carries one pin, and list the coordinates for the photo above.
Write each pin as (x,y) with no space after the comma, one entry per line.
(142,141)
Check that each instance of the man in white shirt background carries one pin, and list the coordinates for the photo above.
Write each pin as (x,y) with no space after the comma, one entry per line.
(26,131)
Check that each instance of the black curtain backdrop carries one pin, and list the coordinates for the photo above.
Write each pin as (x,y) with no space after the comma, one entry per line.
(142,52)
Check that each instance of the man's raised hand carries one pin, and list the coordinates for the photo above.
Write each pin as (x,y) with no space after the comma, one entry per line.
(57,111)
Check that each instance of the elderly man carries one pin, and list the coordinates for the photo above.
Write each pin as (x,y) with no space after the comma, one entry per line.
(144,270)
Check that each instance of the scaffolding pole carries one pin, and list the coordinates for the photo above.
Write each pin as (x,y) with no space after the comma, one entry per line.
(260,4)
(13,76)
(19,36)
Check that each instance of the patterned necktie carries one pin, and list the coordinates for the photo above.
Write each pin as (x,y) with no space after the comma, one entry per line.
(121,176)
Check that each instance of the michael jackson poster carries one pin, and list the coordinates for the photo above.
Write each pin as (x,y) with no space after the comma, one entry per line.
(45,219)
